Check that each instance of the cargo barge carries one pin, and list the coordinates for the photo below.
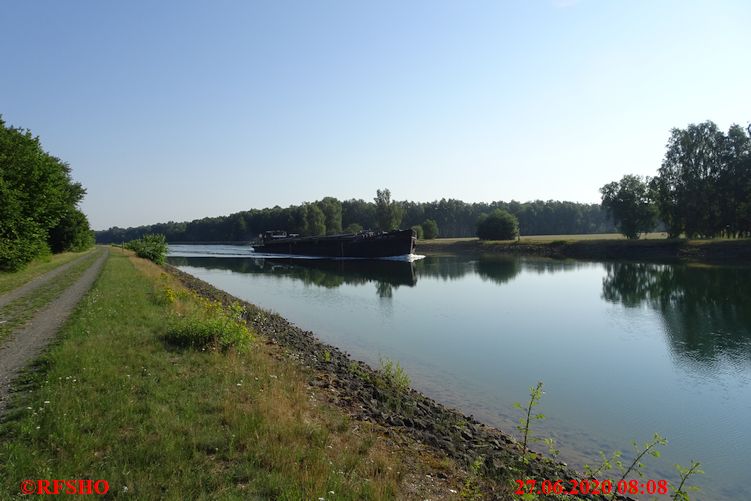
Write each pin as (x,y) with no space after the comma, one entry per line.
(366,244)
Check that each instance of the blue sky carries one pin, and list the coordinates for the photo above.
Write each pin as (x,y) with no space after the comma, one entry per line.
(180,110)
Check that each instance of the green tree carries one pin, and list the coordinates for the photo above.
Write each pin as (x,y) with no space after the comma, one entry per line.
(686,187)
(72,233)
(332,211)
(359,212)
(629,203)
(430,229)
(419,233)
(315,221)
(36,194)
(498,225)
(388,213)
(735,183)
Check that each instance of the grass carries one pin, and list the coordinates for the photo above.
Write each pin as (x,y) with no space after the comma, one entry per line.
(111,400)
(541,239)
(591,236)
(16,313)
(40,266)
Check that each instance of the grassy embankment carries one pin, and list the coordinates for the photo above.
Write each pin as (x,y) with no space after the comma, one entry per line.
(112,400)
(40,266)
(16,313)
(599,246)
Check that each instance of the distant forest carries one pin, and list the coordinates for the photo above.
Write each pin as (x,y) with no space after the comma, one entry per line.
(454,218)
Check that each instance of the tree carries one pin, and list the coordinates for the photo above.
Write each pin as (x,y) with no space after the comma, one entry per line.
(37,194)
(430,229)
(629,203)
(332,211)
(686,187)
(498,225)
(419,233)
(315,221)
(735,182)
(388,213)
(359,212)
(72,233)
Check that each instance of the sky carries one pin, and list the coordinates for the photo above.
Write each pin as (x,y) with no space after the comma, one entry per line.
(178,110)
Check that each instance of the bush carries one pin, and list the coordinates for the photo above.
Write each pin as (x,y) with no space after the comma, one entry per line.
(498,225)
(208,334)
(152,247)
(21,244)
(202,324)
(418,231)
(430,229)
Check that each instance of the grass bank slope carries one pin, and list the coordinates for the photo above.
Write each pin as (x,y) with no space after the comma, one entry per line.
(111,400)
(609,246)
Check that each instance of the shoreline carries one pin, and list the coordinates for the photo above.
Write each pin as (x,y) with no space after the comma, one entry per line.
(661,250)
(359,389)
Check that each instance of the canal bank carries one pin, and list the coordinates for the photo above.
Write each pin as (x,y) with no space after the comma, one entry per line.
(373,396)
(709,251)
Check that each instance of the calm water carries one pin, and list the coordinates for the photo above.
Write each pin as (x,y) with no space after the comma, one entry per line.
(624,349)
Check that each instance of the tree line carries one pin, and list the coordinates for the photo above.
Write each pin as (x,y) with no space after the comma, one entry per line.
(702,189)
(445,217)
(38,202)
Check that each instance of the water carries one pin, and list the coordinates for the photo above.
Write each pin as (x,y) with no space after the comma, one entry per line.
(624,349)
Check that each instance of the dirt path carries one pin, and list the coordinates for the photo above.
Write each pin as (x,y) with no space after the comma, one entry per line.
(37,282)
(29,341)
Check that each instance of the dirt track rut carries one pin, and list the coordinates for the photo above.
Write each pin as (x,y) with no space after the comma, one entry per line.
(29,341)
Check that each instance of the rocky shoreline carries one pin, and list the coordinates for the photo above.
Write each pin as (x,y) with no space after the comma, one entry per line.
(369,396)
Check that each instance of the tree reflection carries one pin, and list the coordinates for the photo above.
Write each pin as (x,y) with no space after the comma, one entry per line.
(706,310)
(499,270)
(327,273)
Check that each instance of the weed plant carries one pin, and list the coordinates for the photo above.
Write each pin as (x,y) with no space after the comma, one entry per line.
(650,448)
(203,324)
(394,375)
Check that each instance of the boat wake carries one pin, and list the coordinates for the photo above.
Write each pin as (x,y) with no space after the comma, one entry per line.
(243,251)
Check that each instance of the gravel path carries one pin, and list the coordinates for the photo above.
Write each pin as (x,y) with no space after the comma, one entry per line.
(27,343)
(37,282)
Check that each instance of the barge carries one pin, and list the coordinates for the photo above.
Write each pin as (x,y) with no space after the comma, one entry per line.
(366,244)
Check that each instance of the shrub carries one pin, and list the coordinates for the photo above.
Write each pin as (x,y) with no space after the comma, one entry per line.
(152,247)
(418,231)
(394,375)
(498,225)
(207,325)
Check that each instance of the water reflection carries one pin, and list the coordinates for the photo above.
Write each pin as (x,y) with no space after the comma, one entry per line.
(318,272)
(706,311)
(386,274)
